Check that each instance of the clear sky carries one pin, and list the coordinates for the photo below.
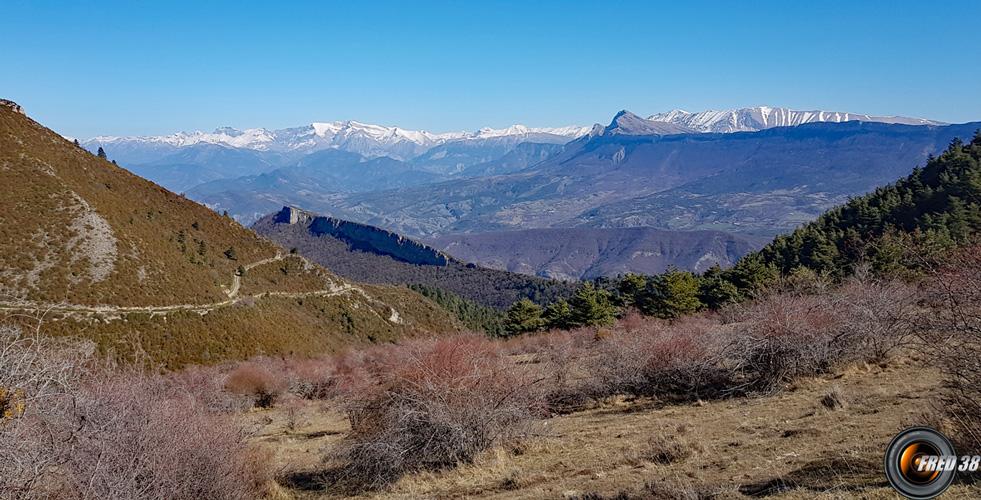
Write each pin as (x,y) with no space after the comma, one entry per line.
(133,67)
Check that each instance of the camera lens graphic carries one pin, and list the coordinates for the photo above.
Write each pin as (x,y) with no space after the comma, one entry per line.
(910,459)
(904,456)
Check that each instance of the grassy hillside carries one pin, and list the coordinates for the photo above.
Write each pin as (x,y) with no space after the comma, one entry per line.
(74,227)
(117,259)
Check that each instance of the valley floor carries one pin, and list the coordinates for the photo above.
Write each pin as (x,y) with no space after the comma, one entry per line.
(788,445)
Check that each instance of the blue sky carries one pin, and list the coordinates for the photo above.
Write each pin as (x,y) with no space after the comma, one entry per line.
(93,68)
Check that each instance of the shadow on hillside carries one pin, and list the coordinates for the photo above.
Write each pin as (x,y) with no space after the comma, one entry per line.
(826,474)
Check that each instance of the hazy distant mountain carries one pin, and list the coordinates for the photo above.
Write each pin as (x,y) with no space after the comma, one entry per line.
(771,180)
(583,253)
(763,117)
(184,160)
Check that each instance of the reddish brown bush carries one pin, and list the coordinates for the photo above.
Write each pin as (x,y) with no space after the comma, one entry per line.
(679,360)
(312,378)
(782,337)
(434,404)
(136,439)
(260,384)
(90,433)
(952,331)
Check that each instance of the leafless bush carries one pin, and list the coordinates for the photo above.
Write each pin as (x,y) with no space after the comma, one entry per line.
(434,404)
(136,439)
(39,376)
(784,337)
(85,432)
(952,329)
(312,379)
(679,360)
(257,382)
(876,316)
(665,449)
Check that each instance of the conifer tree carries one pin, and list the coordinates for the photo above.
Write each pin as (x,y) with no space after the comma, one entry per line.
(524,316)
(558,314)
(591,306)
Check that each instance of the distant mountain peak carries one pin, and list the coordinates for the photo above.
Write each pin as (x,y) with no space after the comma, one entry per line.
(764,117)
(627,123)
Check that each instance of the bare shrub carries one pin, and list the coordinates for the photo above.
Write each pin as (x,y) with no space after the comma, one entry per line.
(666,449)
(257,382)
(558,360)
(86,432)
(876,316)
(952,329)
(312,379)
(39,376)
(784,337)
(434,404)
(136,439)
(681,360)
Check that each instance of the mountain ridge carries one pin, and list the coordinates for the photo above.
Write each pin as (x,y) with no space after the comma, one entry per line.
(366,253)
(763,117)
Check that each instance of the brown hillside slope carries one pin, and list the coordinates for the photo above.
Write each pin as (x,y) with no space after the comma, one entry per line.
(115,258)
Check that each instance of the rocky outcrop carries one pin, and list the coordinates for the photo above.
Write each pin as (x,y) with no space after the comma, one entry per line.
(365,238)
(12,105)
(291,215)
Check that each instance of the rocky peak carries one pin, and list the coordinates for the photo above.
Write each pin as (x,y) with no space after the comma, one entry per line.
(12,105)
(292,215)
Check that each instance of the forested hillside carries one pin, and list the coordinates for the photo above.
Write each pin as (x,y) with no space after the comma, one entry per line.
(936,206)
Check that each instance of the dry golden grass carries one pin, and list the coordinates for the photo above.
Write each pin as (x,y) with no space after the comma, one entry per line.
(787,445)
(60,203)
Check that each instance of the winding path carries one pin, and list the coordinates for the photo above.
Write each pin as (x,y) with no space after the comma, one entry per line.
(232,293)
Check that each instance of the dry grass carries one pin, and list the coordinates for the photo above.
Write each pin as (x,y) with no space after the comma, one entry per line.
(786,445)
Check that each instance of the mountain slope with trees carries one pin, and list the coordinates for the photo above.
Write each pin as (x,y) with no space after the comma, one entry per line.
(938,205)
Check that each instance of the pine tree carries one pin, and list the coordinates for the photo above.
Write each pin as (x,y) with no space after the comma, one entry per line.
(671,294)
(230,254)
(591,306)
(716,292)
(558,315)
(524,316)
(101,153)
(630,288)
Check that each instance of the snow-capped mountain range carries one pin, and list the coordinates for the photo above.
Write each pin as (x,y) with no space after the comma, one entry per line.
(763,117)
(372,141)
(362,138)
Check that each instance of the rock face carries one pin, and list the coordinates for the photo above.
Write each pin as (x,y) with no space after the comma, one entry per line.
(373,255)
(12,105)
(365,238)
